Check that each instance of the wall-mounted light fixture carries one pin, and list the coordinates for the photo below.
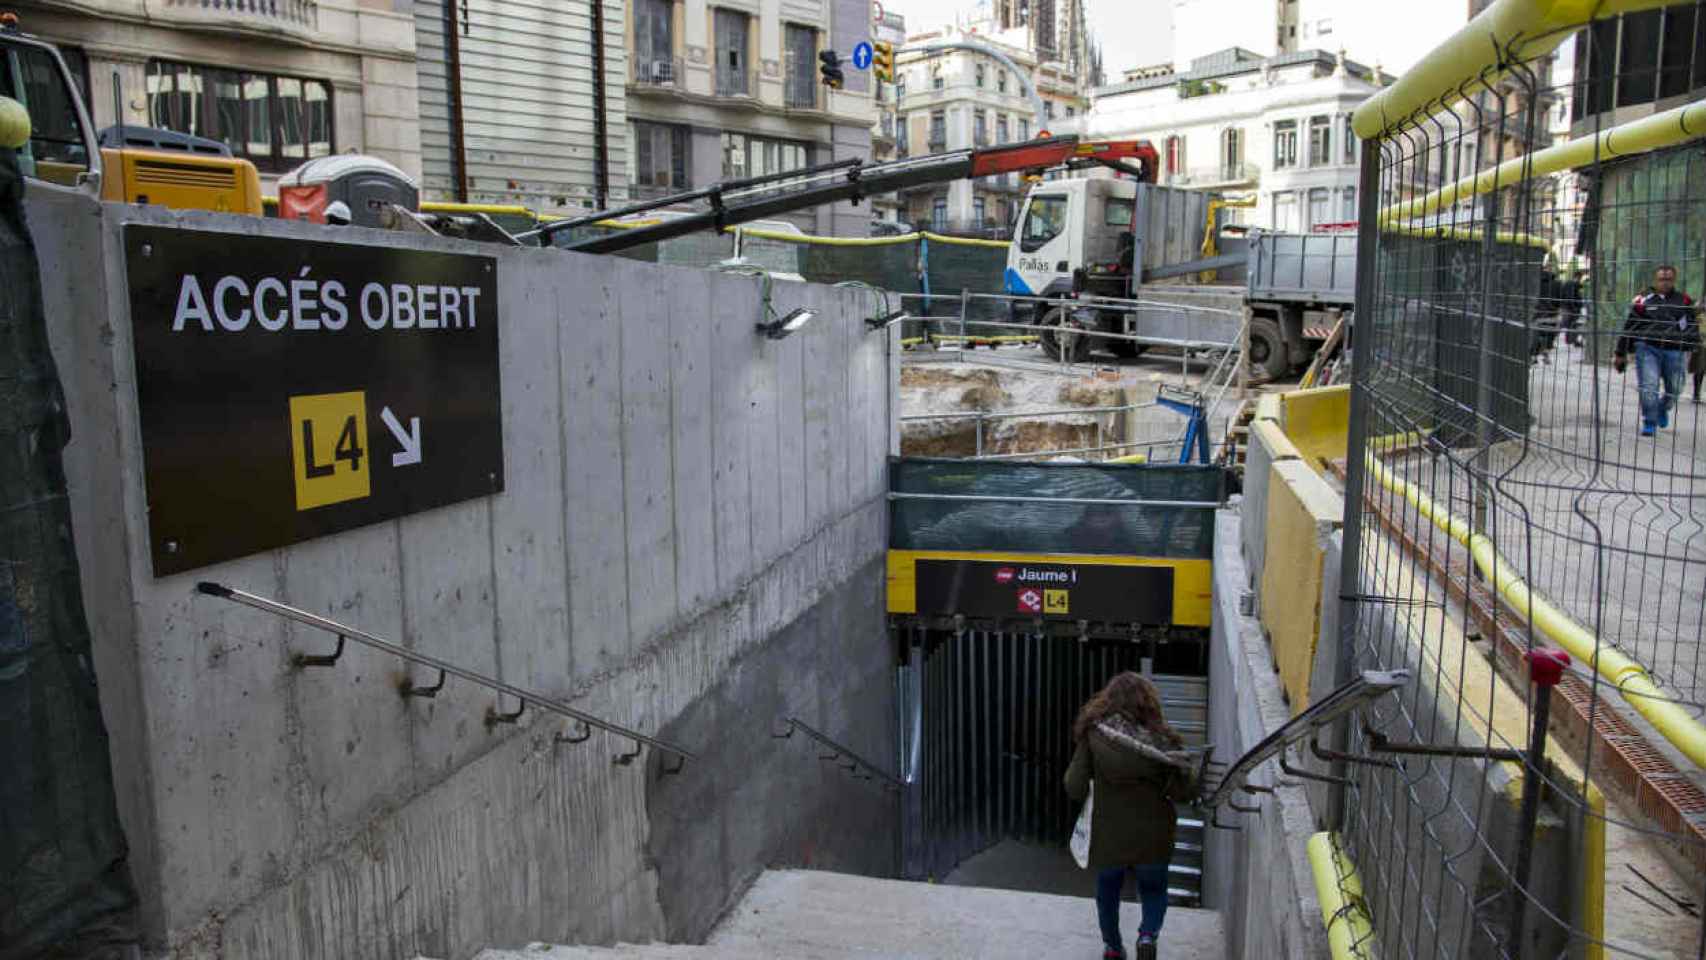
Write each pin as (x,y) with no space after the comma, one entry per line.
(881,322)
(777,329)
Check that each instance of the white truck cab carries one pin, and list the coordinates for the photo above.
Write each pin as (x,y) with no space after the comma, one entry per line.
(1068,225)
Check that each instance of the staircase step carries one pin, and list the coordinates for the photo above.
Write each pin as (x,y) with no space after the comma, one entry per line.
(798,913)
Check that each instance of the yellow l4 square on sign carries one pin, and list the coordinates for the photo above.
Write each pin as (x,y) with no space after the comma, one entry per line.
(328,448)
(1056,601)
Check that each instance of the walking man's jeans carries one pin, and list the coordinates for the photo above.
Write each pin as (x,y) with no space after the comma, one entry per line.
(1656,368)
(1151,890)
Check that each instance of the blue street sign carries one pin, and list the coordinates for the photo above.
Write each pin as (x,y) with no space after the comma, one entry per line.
(862,56)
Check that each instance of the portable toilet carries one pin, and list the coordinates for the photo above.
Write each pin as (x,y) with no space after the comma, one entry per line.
(365,184)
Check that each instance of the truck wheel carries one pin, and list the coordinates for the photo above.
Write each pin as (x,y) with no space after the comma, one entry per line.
(1062,341)
(1267,350)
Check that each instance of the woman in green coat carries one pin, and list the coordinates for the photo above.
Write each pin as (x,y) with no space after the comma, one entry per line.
(1137,764)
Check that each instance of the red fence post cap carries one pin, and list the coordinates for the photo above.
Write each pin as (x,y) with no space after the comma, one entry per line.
(1546,667)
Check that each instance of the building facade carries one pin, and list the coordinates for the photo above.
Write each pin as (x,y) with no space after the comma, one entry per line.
(279,82)
(959,99)
(1239,123)
(889,29)
(721,90)
(511,111)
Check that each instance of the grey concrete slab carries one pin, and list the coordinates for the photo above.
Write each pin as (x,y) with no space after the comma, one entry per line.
(646,457)
(590,409)
(351,715)
(692,459)
(528,524)
(793,471)
(804,913)
(449,612)
(734,398)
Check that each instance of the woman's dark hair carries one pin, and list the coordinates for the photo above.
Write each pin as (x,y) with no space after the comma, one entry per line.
(1132,696)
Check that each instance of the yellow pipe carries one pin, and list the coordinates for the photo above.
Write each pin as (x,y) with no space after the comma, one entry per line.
(1637,136)
(1509,31)
(1462,233)
(509,209)
(1593,874)
(1131,458)
(1671,720)
(965,241)
(1350,930)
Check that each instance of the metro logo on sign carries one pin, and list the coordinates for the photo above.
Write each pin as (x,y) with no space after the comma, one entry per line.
(1057,602)
(1004,575)
(1030,600)
(328,446)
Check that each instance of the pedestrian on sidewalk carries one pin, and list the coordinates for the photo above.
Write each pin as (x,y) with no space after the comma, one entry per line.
(1697,366)
(1662,329)
(1140,770)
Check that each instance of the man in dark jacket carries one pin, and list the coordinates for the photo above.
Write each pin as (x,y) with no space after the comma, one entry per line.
(1662,329)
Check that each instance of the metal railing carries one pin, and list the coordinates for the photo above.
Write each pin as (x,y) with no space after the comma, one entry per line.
(524,697)
(736,83)
(802,91)
(861,768)
(656,72)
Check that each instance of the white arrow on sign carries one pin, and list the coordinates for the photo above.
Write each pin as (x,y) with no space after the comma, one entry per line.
(409,440)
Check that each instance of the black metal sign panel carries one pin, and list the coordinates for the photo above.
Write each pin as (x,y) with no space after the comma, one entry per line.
(289,389)
(1065,591)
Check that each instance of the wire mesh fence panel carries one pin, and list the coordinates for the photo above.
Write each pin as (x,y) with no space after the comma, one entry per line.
(1527,470)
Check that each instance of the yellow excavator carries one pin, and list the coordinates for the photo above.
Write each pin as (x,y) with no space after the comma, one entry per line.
(126,163)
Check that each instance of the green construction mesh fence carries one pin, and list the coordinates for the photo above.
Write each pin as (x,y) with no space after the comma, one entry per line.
(936,521)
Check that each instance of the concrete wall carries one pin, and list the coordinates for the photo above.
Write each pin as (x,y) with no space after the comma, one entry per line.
(1258,876)
(680,494)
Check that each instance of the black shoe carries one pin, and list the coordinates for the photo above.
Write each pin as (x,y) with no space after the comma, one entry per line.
(1145,950)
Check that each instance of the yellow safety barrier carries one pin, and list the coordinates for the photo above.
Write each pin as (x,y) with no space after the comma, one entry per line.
(1670,719)
(1635,137)
(1593,873)
(1509,31)
(1350,930)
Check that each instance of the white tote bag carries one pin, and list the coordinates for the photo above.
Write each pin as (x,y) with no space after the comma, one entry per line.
(1081,831)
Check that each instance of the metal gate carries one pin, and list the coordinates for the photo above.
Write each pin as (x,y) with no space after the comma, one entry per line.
(987,736)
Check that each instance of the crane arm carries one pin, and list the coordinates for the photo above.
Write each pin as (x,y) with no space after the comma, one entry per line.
(743,201)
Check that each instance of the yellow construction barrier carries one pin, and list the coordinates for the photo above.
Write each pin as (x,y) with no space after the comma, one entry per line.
(1644,696)
(1350,930)
(1316,420)
(1509,31)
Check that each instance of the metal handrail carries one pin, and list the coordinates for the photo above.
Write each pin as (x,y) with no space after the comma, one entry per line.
(526,697)
(871,769)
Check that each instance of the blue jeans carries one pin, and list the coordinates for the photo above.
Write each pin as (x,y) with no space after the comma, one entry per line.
(1653,365)
(1151,890)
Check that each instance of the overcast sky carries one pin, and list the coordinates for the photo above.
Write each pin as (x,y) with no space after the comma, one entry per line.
(1132,32)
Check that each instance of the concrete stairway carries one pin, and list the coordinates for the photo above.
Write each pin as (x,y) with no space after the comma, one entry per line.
(828,916)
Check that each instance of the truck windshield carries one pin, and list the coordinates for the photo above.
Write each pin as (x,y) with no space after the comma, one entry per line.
(1043,222)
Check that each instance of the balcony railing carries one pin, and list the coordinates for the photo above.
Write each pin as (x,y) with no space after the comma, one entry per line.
(1221,175)
(296,17)
(656,72)
(802,91)
(736,83)
(938,139)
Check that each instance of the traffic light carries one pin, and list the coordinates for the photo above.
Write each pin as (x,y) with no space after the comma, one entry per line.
(829,64)
(882,61)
